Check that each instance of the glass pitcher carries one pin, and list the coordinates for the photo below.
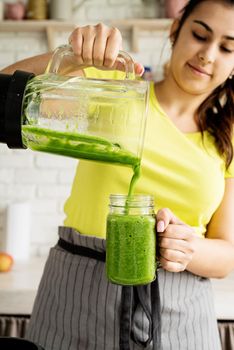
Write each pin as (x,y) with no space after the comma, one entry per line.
(96,119)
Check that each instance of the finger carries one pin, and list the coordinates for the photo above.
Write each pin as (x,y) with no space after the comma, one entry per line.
(171,266)
(76,41)
(139,68)
(164,217)
(99,51)
(100,44)
(114,43)
(88,45)
(176,244)
(175,255)
(177,232)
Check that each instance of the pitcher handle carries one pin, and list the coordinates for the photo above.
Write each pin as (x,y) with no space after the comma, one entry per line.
(66,50)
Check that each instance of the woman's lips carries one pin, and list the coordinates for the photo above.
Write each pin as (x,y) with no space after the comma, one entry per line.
(198,70)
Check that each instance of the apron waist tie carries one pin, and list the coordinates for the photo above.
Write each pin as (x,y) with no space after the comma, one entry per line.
(81,250)
(131,297)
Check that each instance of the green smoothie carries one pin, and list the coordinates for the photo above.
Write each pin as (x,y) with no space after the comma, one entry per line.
(135,178)
(76,145)
(131,249)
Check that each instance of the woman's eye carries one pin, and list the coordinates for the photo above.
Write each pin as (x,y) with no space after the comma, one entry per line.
(199,37)
(225,49)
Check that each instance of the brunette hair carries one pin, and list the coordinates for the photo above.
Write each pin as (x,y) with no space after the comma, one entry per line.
(216,113)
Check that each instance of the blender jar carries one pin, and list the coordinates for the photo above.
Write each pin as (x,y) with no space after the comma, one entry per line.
(96,119)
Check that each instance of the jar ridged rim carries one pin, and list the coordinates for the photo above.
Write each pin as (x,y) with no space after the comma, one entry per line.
(136,200)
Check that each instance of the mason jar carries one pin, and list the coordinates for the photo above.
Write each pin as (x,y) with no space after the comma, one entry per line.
(131,240)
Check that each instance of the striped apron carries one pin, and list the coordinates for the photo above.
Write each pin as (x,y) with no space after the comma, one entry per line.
(76,308)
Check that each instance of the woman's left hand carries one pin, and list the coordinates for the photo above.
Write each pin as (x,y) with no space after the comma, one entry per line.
(176,241)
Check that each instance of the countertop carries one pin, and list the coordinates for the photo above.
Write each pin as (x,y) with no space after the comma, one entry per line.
(18,287)
(18,290)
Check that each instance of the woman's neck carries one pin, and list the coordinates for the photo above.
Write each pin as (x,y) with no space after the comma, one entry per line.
(180,106)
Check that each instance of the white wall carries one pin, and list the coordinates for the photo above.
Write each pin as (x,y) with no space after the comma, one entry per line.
(45,180)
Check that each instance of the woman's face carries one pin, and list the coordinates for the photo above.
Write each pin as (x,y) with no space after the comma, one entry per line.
(203,55)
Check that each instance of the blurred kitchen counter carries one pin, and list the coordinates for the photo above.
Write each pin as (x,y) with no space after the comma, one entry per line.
(18,290)
(18,287)
(224,297)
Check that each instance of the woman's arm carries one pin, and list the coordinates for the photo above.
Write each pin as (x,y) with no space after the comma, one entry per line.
(214,255)
(36,64)
(181,248)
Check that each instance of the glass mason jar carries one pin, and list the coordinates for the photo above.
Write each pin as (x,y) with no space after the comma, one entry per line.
(131,240)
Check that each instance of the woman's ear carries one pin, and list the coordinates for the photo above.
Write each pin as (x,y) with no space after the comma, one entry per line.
(174,28)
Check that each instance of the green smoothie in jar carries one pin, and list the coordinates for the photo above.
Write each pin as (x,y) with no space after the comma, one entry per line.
(131,241)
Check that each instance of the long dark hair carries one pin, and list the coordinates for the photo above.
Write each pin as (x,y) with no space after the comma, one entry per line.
(216,113)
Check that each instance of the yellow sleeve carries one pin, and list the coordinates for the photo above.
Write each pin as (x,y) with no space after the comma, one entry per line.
(230,171)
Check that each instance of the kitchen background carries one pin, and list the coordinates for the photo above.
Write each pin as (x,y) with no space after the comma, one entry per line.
(44,181)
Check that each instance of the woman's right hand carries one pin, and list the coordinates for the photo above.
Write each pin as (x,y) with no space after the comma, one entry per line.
(99,45)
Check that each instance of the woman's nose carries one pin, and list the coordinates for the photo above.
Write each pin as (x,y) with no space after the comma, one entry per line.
(207,56)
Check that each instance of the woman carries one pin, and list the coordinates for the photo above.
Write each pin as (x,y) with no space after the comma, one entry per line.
(187,165)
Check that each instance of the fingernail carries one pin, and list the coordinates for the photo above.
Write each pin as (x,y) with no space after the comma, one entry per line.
(160,226)
(139,69)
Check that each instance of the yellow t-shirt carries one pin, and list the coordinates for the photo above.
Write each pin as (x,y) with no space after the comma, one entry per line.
(181,171)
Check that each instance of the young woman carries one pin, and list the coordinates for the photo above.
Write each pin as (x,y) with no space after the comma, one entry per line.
(187,166)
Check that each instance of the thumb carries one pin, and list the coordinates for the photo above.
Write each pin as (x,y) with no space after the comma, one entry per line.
(165,217)
(138,67)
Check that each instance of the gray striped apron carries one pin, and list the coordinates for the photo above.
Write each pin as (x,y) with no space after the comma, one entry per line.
(76,308)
